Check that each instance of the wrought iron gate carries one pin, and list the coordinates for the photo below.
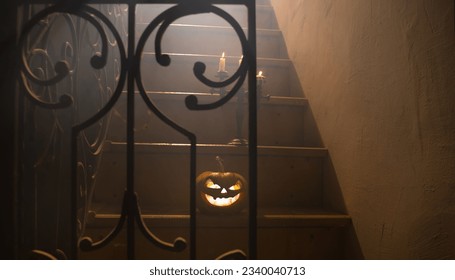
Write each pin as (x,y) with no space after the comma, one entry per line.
(52,93)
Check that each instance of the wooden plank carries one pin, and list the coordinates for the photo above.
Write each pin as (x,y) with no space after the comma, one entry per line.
(180,148)
(206,97)
(271,220)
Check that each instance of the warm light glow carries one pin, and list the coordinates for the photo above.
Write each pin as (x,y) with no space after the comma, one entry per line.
(222,202)
(212,185)
(221,192)
(222,64)
(236,187)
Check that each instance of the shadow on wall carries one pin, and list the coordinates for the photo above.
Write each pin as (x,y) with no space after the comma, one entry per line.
(334,200)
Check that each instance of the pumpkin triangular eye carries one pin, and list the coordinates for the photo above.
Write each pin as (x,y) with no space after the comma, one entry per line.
(236,187)
(209,184)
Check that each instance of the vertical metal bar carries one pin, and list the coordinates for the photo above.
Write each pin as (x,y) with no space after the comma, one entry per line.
(193,224)
(9,145)
(74,194)
(252,108)
(20,216)
(130,132)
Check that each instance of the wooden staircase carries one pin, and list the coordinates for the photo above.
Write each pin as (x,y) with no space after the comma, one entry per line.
(295,219)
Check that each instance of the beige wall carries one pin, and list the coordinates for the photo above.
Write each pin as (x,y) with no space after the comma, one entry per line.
(380,79)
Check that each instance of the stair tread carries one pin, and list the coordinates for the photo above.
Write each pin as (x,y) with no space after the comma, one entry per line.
(266,219)
(218,148)
(218,27)
(211,97)
(278,61)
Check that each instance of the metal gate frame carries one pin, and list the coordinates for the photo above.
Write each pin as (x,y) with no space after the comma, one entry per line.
(130,76)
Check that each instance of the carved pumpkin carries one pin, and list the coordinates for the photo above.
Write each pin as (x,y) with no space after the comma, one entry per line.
(221,192)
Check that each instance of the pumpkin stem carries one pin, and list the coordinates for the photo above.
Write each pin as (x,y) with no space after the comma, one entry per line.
(220,163)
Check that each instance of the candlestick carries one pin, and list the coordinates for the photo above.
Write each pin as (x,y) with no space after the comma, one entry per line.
(260,80)
(222,64)
(222,74)
(239,140)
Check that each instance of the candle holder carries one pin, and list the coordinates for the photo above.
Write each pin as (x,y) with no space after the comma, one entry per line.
(221,75)
(239,140)
(260,80)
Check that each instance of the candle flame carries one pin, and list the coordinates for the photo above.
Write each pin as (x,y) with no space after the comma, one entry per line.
(222,55)
(260,74)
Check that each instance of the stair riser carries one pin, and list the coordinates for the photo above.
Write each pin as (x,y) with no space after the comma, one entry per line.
(280,125)
(265,16)
(215,41)
(178,76)
(285,244)
(162,180)
(263,2)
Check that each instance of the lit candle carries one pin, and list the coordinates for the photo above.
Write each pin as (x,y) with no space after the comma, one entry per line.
(260,80)
(222,64)
(240,60)
(260,76)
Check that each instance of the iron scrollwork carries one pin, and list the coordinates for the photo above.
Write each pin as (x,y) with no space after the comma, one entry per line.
(129,71)
(36,80)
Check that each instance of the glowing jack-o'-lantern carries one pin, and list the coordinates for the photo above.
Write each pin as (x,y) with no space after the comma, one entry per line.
(221,192)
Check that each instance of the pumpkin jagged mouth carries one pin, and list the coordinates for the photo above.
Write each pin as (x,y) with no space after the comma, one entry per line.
(222,201)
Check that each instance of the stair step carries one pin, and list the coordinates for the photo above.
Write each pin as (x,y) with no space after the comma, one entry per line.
(265,15)
(299,243)
(304,234)
(288,177)
(214,40)
(266,219)
(281,120)
(219,149)
(207,97)
(178,76)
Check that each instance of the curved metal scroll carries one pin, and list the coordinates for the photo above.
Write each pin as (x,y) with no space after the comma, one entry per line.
(43,255)
(166,19)
(233,255)
(61,68)
(87,244)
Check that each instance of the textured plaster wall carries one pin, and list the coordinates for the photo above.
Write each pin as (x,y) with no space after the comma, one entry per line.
(380,79)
